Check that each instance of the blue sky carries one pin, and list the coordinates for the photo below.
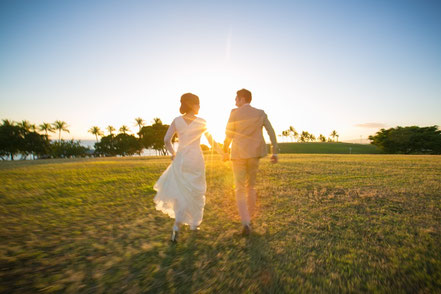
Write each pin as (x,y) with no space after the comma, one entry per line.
(352,66)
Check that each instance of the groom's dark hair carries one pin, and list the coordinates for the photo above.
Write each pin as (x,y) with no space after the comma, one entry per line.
(245,94)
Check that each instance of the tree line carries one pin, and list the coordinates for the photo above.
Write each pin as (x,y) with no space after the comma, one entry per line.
(305,136)
(149,137)
(408,140)
(25,139)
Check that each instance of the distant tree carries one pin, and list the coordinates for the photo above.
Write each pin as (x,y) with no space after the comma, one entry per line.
(110,129)
(60,126)
(121,144)
(408,140)
(21,139)
(334,134)
(150,137)
(8,123)
(285,134)
(140,123)
(322,138)
(304,136)
(3,153)
(67,149)
(35,144)
(153,136)
(106,147)
(124,129)
(46,127)
(293,133)
(25,125)
(96,131)
(11,139)
(127,144)
(312,138)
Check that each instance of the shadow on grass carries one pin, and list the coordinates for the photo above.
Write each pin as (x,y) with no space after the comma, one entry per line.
(261,263)
(177,267)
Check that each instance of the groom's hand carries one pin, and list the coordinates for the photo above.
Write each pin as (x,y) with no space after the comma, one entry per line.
(226,156)
(274,158)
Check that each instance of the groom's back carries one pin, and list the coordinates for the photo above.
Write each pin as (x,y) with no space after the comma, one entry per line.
(245,128)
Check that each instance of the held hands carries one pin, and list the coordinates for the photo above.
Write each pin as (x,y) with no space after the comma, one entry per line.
(173,157)
(226,157)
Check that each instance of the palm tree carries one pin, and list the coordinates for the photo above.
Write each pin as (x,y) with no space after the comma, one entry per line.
(285,134)
(124,129)
(157,121)
(60,126)
(304,137)
(25,125)
(96,131)
(139,122)
(334,134)
(322,138)
(46,127)
(7,122)
(110,129)
(293,133)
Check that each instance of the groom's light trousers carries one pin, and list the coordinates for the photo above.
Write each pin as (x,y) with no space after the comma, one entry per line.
(245,172)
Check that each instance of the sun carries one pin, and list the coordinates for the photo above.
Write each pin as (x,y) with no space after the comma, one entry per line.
(216,85)
(217,97)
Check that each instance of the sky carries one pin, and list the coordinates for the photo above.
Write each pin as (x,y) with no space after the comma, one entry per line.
(351,66)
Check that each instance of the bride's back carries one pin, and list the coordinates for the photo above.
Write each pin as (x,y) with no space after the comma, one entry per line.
(189,134)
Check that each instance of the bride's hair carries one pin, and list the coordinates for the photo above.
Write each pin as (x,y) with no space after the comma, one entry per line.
(187,101)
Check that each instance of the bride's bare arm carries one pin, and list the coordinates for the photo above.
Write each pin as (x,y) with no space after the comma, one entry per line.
(168,139)
(213,143)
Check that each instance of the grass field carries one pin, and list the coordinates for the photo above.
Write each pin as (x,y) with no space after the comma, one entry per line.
(328,148)
(325,223)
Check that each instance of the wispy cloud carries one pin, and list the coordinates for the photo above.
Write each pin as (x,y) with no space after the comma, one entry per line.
(371,125)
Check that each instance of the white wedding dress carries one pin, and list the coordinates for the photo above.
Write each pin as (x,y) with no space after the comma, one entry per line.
(181,188)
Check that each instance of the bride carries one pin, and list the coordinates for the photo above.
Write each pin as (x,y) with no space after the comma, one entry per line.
(181,188)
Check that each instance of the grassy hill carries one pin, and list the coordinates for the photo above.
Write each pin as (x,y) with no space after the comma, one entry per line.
(328,148)
(324,223)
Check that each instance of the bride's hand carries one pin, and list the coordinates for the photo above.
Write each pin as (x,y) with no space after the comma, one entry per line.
(226,156)
(172,157)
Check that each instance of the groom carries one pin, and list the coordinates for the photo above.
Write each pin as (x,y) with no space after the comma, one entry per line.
(244,131)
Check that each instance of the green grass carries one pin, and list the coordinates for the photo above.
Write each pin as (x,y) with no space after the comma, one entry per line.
(325,223)
(328,148)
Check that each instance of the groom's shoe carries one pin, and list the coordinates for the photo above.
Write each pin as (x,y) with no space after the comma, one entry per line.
(246,230)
